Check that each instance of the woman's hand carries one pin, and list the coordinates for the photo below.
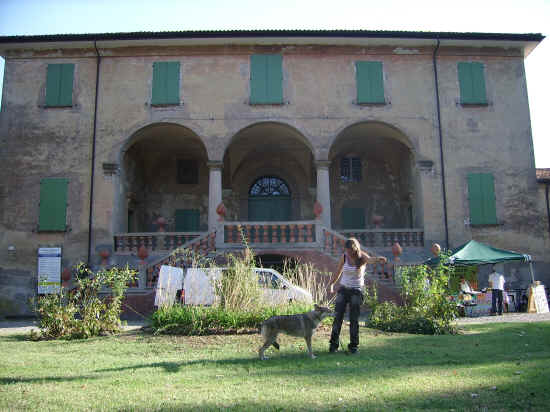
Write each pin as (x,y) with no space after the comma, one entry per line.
(382,259)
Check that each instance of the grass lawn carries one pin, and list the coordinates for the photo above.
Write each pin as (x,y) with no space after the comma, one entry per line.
(488,367)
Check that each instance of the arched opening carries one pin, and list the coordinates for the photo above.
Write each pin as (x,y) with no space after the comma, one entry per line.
(372,180)
(164,175)
(269,200)
(268,174)
(274,261)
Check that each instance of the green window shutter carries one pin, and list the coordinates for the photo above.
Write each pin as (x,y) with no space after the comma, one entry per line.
(481,192)
(166,83)
(370,82)
(471,78)
(353,218)
(266,79)
(187,220)
(53,205)
(59,85)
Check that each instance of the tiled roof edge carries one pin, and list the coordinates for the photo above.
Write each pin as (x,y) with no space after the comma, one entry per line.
(274,33)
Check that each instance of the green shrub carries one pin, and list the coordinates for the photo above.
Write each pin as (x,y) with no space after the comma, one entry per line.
(205,320)
(426,308)
(82,312)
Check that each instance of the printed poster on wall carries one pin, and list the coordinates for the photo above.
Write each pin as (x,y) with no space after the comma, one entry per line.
(539,296)
(49,270)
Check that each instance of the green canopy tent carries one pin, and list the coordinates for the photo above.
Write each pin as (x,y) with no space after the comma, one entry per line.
(477,253)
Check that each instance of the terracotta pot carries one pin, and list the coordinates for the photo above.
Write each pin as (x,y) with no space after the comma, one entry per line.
(396,249)
(317,209)
(104,253)
(142,253)
(220,210)
(161,223)
(377,220)
(66,275)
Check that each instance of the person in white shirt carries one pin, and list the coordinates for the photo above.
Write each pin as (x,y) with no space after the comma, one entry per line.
(496,283)
(350,274)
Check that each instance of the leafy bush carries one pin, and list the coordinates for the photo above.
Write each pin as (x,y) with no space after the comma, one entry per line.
(82,312)
(426,308)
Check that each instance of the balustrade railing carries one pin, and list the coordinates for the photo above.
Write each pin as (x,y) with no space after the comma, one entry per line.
(187,255)
(153,242)
(270,232)
(387,237)
(257,234)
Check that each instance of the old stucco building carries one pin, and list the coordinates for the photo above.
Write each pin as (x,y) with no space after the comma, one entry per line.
(111,142)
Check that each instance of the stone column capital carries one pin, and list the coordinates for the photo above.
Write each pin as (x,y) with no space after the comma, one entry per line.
(322,164)
(215,164)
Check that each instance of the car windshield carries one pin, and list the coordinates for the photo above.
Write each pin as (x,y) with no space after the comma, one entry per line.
(268,280)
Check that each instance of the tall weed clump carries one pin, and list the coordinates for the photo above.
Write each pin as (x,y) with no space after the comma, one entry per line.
(238,288)
(426,307)
(306,276)
(83,312)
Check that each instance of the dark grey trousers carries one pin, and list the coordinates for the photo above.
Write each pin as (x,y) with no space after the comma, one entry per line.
(353,297)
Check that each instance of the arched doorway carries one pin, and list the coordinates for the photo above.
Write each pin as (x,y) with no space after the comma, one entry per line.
(269,200)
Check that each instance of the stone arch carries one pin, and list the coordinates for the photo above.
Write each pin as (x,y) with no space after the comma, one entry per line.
(268,148)
(373,178)
(163,171)
(292,130)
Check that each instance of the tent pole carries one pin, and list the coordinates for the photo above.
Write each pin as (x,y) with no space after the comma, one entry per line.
(531,271)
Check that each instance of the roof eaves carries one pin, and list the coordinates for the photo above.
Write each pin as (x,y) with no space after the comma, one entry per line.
(537,37)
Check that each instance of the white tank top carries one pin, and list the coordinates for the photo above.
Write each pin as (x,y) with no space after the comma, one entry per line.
(352,276)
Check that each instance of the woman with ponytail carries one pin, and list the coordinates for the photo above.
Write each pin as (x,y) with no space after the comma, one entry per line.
(351,274)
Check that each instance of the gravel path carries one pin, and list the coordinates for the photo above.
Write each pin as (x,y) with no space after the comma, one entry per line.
(9,327)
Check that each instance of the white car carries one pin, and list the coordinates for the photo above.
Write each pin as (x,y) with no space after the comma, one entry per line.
(198,287)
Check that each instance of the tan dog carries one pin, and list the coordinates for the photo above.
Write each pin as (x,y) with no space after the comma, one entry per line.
(303,324)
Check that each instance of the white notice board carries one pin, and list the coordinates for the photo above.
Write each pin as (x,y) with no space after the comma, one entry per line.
(539,294)
(49,270)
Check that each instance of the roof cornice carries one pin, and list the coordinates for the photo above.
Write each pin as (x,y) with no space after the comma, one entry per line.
(526,42)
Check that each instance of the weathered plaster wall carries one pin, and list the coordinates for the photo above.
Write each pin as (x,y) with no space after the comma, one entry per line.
(319,94)
(39,142)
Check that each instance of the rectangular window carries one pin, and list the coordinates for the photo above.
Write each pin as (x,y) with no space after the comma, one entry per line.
(187,220)
(353,218)
(53,205)
(370,82)
(266,79)
(471,78)
(166,83)
(59,85)
(350,169)
(481,192)
(188,172)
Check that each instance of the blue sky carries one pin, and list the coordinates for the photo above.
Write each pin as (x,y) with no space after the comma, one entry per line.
(26,17)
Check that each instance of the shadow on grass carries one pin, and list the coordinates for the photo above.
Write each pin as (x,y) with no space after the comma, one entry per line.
(4,380)
(430,400)
(19,337)
(490,345)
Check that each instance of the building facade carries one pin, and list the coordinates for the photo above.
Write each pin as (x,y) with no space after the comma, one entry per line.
(121,147)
